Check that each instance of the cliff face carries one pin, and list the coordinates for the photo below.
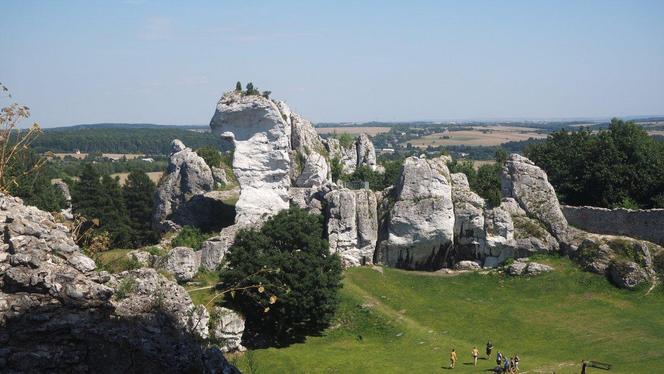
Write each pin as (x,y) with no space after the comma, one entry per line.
(57,314)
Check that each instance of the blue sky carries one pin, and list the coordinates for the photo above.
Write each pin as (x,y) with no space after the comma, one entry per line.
(169,61)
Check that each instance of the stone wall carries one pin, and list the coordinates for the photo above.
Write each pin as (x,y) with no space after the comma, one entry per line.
(641,224)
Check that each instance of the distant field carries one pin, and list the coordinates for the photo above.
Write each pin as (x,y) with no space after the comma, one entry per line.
(478,136)
(371,131)
(112,156)
(155,176)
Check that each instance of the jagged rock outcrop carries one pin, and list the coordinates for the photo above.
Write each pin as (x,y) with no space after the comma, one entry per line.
(347,156)
(187,175)
(530,187)
(304,138)
(208,211)
(57,314)
(469,234)
(627,274)
(315,171)
(420,228)
(310,199)
(366,153)
(260,130)
(182,262)
(214,249)
(226,328)
(220,177)
(352,225)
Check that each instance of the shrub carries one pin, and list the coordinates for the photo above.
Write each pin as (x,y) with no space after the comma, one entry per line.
(191,237)
(125,287)
(298,277)
(211,156)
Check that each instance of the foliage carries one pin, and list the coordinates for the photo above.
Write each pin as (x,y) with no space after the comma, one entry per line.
(377,181)
(191,237)
(301,291)
(151,141)
(100,200)
(126,286)
(115,261)
(485,181)
(238,86)
(615,167)
(346,140)
(138,195)
(211,156)
(156,251)
(33,184)
(336,169)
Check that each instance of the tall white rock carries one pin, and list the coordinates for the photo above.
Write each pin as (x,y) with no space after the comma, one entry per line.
(528,184)
(260,130)
(352,225)
(469,234)
(420,227)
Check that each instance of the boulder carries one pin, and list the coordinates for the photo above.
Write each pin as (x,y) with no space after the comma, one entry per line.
(530,187)
(315,171)
(420,226)
(57,314)
(182,262)
(187,175)
(525,267)
(214,249)
(227,327)
(260,130)
(627,274)
(144,258)
(352,225)
(220,177)
(468,265)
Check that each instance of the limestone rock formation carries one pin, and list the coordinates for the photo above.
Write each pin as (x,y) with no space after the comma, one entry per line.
(352,225)
(530,187)
(260,130)
(468,265)
(366,153)
(182,262)
(57,314)
(187,175)
(360,152)
(214,249)
(315,171)
(627,274)
(304,138)
(310,199)
(469,234)
(220,177)
(420,227)
(227,327)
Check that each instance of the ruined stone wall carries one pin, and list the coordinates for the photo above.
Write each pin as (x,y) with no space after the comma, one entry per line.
(641,224)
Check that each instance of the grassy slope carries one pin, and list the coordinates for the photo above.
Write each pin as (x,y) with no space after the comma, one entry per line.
(411,321)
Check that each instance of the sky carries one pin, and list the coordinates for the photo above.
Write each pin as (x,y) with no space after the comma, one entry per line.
(168,62)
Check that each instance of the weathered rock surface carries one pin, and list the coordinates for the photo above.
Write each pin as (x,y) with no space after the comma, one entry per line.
(220,177)
(530,187)
(315,172)
(347,156)
(627,274)
(310,199)
(352,225)
(187,175)
(227,327)
(260,130)
(469,234)
(304,138)
(214,249)
(525,267)
(468,265)
(366,153)
(59,315)
(182,262)
(209,211)
(420,227)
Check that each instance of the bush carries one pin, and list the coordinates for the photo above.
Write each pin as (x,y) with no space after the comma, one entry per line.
(190,237)
(211,156)
(125,287)
(298,277)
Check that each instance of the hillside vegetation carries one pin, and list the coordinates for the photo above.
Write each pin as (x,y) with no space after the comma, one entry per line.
(394,321)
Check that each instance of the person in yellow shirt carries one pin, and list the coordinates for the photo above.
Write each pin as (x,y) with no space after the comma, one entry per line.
(453,358)
(475,353)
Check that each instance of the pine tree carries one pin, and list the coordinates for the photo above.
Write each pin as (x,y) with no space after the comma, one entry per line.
(250,88)
(138,195)
(238,86)
(85,194)
(114,215)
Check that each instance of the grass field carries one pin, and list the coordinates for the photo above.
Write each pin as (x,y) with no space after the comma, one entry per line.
(155,176)
(401,322)
(478,136)
(371,131)
(112,156)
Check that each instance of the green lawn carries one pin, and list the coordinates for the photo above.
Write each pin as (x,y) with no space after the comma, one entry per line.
(401,322)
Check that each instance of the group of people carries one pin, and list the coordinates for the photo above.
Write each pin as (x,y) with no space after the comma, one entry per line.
(505,365)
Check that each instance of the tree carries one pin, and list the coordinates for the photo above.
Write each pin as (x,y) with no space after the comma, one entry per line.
(211,156)
(238,86)
(250,89)
(32,182)
(299,294)
(138,194)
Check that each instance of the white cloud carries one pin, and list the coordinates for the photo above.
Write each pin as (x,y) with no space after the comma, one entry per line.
(156,28)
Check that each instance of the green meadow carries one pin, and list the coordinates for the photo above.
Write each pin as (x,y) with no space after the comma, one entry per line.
(393,321)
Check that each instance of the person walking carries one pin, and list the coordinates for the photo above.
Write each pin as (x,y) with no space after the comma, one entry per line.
(499,358)
(475,352)
(516,363)
(506,365)
(453,359)
(489,348)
